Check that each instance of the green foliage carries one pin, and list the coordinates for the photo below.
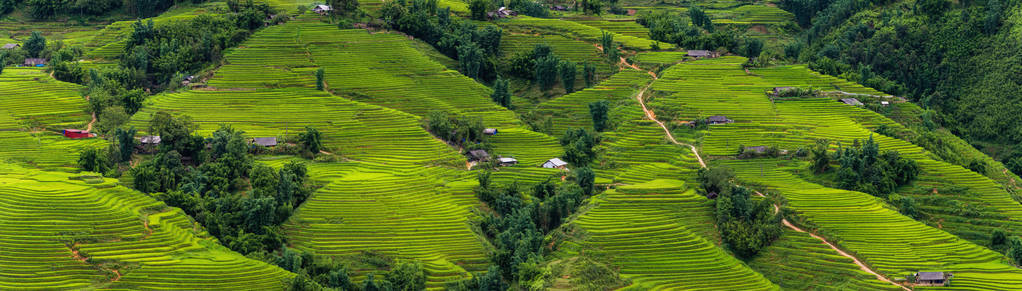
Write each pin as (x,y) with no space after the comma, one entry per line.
(599,111)
(592,6)
(998,239)
(311,140)
(93,159)
(546,71)
(111,118)
(567,71)
(35,44)
(471,58)
(700,19)
(407,276)
(715,180)
(125,143)
(907,206)
(501,92)
(752,47)
(666,27)
(175,133)
(865,169)
(1015,249)
(319,78)
(343,7)
(529,7)
(578,147)
(455,130)
(820,156)
(6,6)
(589,73)
(478,9)
(746,226)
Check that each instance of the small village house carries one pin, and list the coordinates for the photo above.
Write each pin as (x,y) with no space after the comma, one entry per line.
(148,143)
(478,155)
(885,103)
(265,141)
(555,163)
(778,90)
(490,131)
(700,54)
(755,149)
(77,133)
(507,162)
(932,278)
(718,119)
(851,101)
(11,46)
(559,8)
(322,9)
(36,62)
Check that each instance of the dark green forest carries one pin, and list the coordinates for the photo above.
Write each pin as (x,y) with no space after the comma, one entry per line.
(961,59)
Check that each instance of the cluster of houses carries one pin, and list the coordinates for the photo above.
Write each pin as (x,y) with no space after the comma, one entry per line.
(501,12)
(483,156)
(29,62)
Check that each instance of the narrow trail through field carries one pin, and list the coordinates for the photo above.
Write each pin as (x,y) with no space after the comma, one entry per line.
(651,116)
(89,127)
(862,266)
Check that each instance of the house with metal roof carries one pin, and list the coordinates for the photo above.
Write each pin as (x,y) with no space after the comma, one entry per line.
(555,163)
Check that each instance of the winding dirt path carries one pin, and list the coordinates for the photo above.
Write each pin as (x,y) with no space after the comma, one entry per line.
(862,266)
(89,127)
(651,116)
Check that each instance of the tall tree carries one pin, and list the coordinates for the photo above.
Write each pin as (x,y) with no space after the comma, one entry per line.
(471,58)
(598,110)
(546,71)
(501,94)
(311,140)
(477,9)
(319,79)
(589,73)
(35,44)
(567,71)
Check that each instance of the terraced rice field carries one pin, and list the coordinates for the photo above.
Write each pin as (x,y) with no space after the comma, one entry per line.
(889,242)
(51,222)
(797,261)
(565,48)
(577,30)
(653,233)
(572,110)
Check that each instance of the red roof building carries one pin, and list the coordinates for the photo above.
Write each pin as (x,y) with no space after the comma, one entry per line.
(77,133)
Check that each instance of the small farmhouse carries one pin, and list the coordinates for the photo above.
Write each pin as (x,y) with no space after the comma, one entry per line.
(885,103)
(851,101)
(77,133)
(932,278)
(265,141)
(755,149)
(11,46)
(478,155)
(490,131)
(322,9)
(718,119)
(35,62)
(699,54)
(555,163)
(507,162)
(149,140)
(559,8)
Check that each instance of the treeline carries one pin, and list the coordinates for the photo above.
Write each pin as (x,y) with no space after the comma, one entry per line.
(517,226)
(47,9)
(675,29)
(746,226)
(545,68)
(865,168)
(474,48)
(958,58)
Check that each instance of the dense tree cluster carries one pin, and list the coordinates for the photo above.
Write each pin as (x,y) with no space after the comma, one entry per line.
(474,48)
(501,92)
(318,272)
(746,226)
(600,110)
(517,226)
(671,28)
(959,59)
(456,130)
(864,168)
(543,67)
(578,146)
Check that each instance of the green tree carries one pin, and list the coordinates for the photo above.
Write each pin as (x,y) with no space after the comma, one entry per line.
(319,79)
(35,44)
(998,238)
(752,48)
(589,73)
(567,70)
(546,71)
(311,140)
(93,159)
(993,16)
(1015,249)
(820,156)
(716,179)
(471,58)
(501,94)
(407,276)
(477,9)
(125,143)
(599,112)
(111,118)
(586,179)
